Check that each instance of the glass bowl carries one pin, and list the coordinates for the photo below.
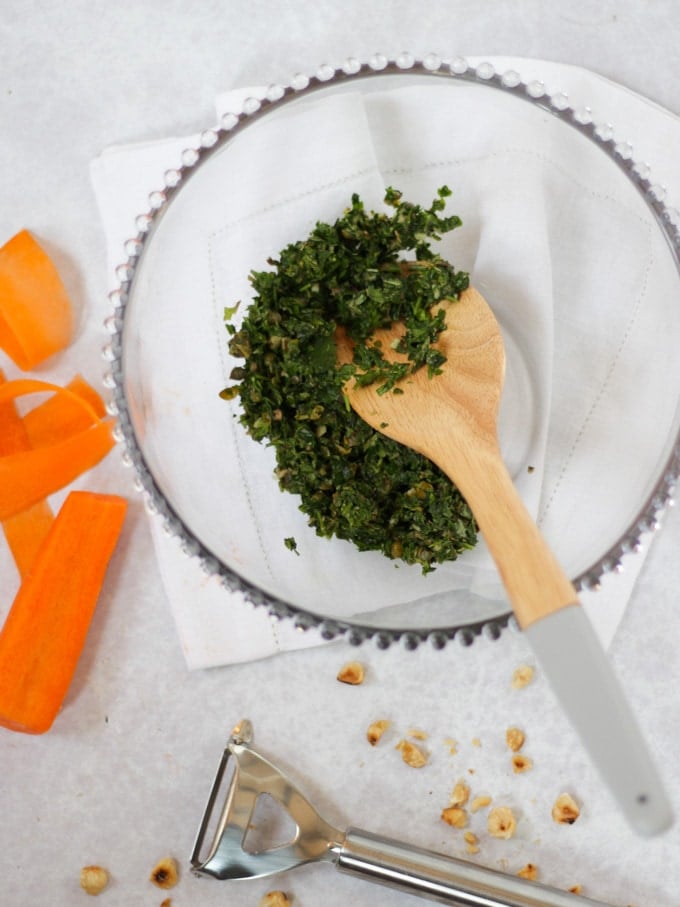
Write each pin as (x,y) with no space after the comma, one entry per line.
(564,234)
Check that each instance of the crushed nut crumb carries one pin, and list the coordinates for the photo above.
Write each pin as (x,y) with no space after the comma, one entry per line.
(416,734)
(452,745)
(460,794)
(501,822)
(412,754)
(376,730)
(93,879)
(166,902)
(476,741)
(530,871)
(576,889)
(522,676)
(479,803)
(565,810)
(165,874)
(275,899)
(455,817)
(472,842)
(521,763)
(514,738)
(352,673)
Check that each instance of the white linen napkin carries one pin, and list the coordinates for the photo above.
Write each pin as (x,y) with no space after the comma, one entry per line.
(509,233)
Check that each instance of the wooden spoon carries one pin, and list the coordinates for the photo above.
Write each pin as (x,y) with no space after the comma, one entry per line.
(452,420)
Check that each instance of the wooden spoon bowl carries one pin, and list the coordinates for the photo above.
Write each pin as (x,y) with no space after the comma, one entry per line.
(452,420)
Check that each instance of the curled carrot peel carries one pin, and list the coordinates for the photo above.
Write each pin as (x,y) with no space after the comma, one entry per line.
(36,318)
(45,630)
(20,387)
(61,414)
(29,476)
(26,531)
(55,418)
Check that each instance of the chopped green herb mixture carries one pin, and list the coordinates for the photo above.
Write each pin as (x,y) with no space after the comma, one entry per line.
(291,544)
(354,483)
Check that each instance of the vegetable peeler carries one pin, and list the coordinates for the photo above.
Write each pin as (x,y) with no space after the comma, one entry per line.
(245,776)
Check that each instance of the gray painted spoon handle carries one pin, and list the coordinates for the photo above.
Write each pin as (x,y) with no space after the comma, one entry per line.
(577,668)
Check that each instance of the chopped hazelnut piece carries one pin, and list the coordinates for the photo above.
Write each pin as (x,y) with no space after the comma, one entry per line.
(515,739)
(452,745)
(501,822)
(460,794)
(376,730)
(576,889)
(166,902)
(454,816)
(472,842)
(275,899)
(530,871)
(565,810)
(352,673)
(93,879)
(522,677)
(521,763)
(479,803)
(411,754)
(165,874)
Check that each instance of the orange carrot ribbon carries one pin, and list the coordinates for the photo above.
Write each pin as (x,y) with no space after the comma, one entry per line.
(26,531)
(55,457)
(45,630)
(36,318)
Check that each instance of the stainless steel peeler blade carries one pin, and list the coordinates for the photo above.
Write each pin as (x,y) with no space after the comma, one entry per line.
(245,775)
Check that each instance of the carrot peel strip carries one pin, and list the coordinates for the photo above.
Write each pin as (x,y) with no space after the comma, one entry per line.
(36,318)
(28,476)
(26,531)
(62,414)
(45,630)
(55,418)
(20,387)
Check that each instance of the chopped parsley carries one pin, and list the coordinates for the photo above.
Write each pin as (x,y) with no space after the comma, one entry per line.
(365,271)
(291,544)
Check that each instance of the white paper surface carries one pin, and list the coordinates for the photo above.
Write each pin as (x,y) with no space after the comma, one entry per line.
(122,778)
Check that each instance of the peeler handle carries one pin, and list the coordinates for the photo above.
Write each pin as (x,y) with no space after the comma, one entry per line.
(443,879)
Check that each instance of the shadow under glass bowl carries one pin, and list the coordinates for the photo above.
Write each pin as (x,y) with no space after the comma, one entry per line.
(247,189)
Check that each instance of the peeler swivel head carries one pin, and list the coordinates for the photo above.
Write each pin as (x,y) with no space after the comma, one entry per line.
(244,776)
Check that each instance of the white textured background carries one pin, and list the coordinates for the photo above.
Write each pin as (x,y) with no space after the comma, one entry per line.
(122,777)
